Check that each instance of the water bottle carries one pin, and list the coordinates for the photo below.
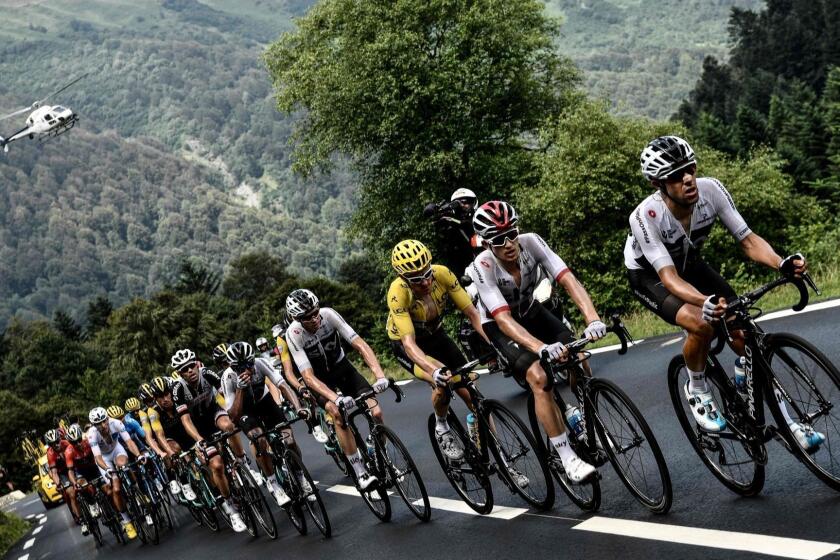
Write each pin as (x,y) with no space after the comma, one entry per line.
(741,375)
(472,429)
(575,420)
(370,448)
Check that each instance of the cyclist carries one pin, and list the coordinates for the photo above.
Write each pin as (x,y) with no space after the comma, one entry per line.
(220,356)
(132,409)
(314,339)
(105,438)
(453,223)
(417,300)
(668,276)
(78,457)
(56,445)
(261,345)
(520,329)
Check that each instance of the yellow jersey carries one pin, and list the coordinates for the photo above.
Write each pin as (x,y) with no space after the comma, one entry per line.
(422,316)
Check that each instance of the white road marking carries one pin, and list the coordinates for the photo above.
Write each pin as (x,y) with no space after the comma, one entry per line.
(811,307)
(670,342)
(348,490)
(729,540)
(30,516)
(43,520)
(40,515)
(32,501)
(24,557)
(38,529)
(28,544)
(404,382)
(499,512)
(614,347)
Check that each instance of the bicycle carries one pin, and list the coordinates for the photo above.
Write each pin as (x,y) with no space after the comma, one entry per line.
(389,461)
(204,509)
(294,477)
(244,490)
(138,503)
(614,430)
(89,510)
(500,433)
(779,367)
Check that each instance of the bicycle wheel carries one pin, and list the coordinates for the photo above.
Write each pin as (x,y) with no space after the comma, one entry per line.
(586,496)
(88,519)
(332,448)
(109,516)
(402,472)
(148,519)
(518,455)
(208,502)
(468,476)
(735,461)
(812,385)
(631,446)
(255,501)
(306,492)
(376,496)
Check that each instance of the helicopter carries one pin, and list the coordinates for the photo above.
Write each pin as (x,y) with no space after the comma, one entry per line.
(47,121)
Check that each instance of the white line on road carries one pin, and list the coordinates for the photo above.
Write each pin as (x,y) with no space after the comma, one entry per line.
(812,307)
(348,490)
(30,516)
(32,501)
(670,342)
(38,529)
(729,540)
(28,544)
(24,557)
(43,520)
(614,347)
(40,515)
(499,512)
(404,382)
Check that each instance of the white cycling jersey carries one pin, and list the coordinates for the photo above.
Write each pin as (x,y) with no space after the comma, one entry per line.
(497,290)
(657,239)
(323,347)
(262,369)
(104,445)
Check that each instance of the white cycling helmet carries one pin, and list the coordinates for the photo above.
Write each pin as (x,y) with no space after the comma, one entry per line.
(463,193)
(277,330)
(664,155)
(97,415)
(301,302)
(261,341)
(182,358)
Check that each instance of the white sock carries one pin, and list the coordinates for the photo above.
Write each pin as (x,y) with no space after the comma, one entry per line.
(268,485)
(783,405)
(125,517)
(356,462)
(697,381)
(441,425)
(561,444)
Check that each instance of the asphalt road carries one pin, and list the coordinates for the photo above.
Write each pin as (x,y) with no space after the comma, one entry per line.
(793,504)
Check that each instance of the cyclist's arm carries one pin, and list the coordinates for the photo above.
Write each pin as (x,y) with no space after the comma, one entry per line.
(55,477)
(150,441)
(426,366)
(758,250)
(97,455)
(317,385)
(186,421)
(516,332)
(680,288)
(124,435)
(157,429)
(364,349)
(580,296)
(463,301)
(234,396)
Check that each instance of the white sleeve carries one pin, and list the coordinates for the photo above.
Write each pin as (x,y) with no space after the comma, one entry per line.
(293,339)
(729,215)
(264,367)
(93,441)
(119,427)
(483,274)
(337,321)
(646,234)
(229,387)
(550,261)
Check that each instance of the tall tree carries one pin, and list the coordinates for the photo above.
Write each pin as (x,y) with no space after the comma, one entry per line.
(66,325)
(98,311)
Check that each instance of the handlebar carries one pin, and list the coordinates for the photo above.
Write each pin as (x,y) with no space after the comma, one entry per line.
(370,393)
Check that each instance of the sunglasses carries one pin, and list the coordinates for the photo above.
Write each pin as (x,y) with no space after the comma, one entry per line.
(309,316)
(680,173)
(186,368)
(502,238)
(420,278)
(239,368)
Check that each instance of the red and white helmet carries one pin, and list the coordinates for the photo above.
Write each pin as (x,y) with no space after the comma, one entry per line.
(493,218)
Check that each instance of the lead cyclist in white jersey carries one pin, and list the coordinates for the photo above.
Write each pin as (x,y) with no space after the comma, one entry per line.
(519,327)
(667,275)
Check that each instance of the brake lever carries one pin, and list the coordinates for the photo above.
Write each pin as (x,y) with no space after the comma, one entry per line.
(807,277)
(549,374)
(396,389)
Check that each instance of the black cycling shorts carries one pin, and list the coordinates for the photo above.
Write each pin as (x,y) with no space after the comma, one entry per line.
(342,377)
(437,345)
(542,324)
(205,422)
(648,288)
(264,412)
(88,471)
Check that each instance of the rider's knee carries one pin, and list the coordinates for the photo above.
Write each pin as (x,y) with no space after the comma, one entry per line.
(535,376)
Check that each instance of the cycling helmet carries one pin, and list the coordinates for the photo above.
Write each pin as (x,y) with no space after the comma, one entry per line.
(240,353)
(97,415)
(182,358)
(664,155)
(278,330)
(161,386)
(301,302)
(51,437)
(219,353)
(493,218)
(465,194)
(410,257)
(115,411)
(74,433)
(262,344)
(132,404)
(145,392)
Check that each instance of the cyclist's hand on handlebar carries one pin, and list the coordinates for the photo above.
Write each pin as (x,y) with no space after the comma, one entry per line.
(441,376)
(554,352)
(596,330)
(793,265)
(347,402)
(713,308)
(380,384)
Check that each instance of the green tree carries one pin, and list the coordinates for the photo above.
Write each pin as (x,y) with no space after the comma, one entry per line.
(366,272)
(66,325)
(250,277)
(99,310)
(423,96)
(194,277)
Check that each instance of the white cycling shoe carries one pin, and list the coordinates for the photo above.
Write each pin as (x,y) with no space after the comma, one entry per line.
(280,496)
(705,410)
(306,488)
(174,487)
(578,470)
(188,492)
(518,478)
(807,438)
(236,522)
(319,435)
(367,480)
(450,446)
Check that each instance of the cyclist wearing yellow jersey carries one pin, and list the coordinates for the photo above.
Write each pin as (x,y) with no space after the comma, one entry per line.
(417,301)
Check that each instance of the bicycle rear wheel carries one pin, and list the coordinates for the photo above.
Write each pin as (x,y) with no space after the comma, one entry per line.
(812,385)
(631,446)
(376,496)
(735,461)
(305,490)
(402,472)
(518,456)
(468,476)
(256,502)
(88,519)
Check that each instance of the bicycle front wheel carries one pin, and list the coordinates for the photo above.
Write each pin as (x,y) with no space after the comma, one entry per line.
(521,463)
(631,446)
(307,493)
(402,472)
(256,502)
(807,385)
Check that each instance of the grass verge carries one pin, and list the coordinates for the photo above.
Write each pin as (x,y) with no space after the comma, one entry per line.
(12,528)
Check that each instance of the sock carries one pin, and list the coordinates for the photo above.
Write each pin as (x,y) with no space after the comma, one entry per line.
(125,517)
(561,444)
(783,405)
(697,382)
(268,485)
(356,462)
(441,425)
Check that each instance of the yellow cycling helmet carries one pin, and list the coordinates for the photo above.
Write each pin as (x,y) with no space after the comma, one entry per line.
(116,412)
(410,257)
(132,404)
(175,375)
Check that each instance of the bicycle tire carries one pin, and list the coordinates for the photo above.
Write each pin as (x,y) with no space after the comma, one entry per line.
(586,496)
(784,346)
(513,451)
(332,448)
(89,520)
(380,507)
(401,471)
(208,501)
(656,499)
(459,474)
(256,502)
(315,507)
(749,483)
